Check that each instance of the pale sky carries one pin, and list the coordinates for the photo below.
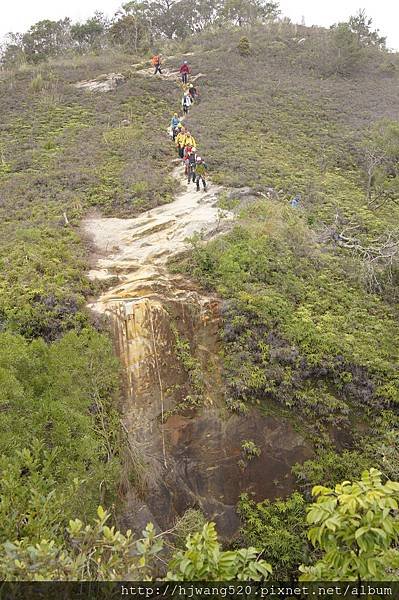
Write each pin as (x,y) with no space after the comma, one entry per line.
(19,15)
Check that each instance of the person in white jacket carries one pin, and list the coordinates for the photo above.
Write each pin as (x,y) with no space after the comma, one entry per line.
(186,102)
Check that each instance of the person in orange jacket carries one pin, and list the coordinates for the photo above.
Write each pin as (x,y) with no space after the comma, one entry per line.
(156,62)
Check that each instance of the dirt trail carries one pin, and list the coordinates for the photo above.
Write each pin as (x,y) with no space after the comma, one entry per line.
(185,447)
(136,250)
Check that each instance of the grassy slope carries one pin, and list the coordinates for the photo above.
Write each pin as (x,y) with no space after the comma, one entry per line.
(65,150)
(301,328)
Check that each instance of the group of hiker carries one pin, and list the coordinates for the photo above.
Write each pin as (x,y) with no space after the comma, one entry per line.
(195,167)
(190,91)
(184,70)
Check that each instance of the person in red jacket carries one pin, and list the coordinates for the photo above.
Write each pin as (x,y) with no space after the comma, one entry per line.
(185,71)
(186,155)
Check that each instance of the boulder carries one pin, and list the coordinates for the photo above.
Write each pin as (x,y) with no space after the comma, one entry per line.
(104,83)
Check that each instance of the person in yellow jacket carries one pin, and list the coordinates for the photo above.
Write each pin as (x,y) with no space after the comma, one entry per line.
(180,142)
(190,140)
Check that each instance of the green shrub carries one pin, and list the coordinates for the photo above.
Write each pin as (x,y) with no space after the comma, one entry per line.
(355,526)
(59,432)
(244,47)
(279,529)
(204,560)
(94,552)
(250,449)
(38,84)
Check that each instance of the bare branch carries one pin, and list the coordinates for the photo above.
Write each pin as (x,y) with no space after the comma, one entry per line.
(379,255)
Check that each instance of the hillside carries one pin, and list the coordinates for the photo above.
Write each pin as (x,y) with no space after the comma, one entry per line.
(307,323)
(162,351)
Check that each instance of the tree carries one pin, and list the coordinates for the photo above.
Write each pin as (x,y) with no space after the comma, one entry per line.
(46,39)
(346,49)
(204,559)
(12,51)
(168,17)
(246,12)
(189,17)
(178,18)
(360,25)
(206,13)
(356,527)
(132,26)
(90,34)
(351,39)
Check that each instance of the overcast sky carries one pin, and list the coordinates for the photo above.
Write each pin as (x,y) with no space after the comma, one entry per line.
(18,15)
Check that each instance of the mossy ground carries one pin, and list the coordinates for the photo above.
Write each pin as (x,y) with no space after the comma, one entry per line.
(302,326)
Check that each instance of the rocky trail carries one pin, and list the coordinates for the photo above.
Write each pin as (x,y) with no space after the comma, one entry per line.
(185,445)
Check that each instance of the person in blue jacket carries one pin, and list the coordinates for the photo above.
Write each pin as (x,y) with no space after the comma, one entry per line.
(295,201)
(174,125)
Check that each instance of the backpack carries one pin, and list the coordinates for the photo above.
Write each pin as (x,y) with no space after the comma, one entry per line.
(200,169)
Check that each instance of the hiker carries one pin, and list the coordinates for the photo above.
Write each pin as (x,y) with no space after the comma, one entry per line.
(186,153)
(295,201)
(189,140)
(174,125)
(191,162)
(184,72)
(192,90)
(186,103)
(156,62)
(200,173)
(180,142)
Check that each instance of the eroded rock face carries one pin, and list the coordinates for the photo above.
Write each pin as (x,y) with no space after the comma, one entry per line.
(192,458)
(189,455)
(138,249)
(206,453)
(146,330)
(104,83)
